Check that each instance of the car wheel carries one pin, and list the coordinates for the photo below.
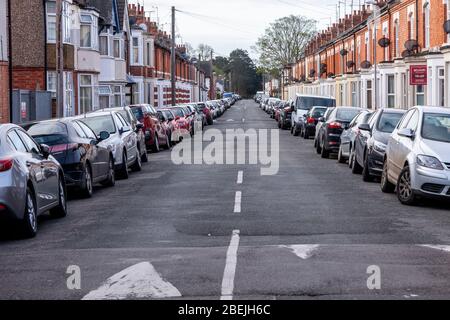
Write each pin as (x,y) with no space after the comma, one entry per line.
(405,193)
(367,177)
(144,157)
(325,154)
(137,165)
(292,129)
(341,158)
(296,132)
(168,144)
(156,147)
(111,180)
(87,189)
(356,168)
(305,134)
(60,211)
(386,186)
(28,224)
(123,171)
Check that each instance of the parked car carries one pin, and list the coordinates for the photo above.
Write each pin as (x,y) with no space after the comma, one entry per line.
(136,126)
(155,135)
(321,122)
(329,136)
(202,107)
(284,121)
(348,136)
(371,141)
(308,125)
(122,142)
(167,119)
(183,124)
(417,160)
(76,147)
(31,180)
(303,104)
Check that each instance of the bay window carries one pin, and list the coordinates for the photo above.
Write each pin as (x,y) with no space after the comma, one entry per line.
(52,25)
(117,48)
(88,31)
(104,45)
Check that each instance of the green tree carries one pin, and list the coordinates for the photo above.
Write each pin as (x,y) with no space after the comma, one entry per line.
(284,42)
(243,73)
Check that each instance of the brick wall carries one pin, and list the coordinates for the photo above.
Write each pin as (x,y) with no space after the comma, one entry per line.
(4,92)
(29,78)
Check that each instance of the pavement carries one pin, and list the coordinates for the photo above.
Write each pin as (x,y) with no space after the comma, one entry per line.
(312,231)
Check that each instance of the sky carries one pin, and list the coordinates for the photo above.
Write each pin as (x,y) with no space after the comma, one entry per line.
(229,24)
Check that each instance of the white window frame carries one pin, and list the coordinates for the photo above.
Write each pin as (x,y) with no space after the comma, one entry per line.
(135,61)
(51,19)
(52,82)
(441,86)
(412,24)
(93,24)
(69,106)
(121,48)
(91,86)
(118,94)
(397,38)
(390,92)
(108,46)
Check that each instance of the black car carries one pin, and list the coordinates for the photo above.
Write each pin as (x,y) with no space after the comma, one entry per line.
(308,126)
(371,142)
(321,123)
(75,146)
(284,120)
(329,136)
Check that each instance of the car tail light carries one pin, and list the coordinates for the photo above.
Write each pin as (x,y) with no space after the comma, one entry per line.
(335,125)
(6,164)
(63,147)
(2,207)
(311,120)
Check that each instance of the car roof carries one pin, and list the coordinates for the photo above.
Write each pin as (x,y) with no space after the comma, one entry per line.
(430,109)
(391,110)
(314,96)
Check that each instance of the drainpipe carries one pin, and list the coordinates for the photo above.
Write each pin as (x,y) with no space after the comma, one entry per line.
(10,62)
(45,45)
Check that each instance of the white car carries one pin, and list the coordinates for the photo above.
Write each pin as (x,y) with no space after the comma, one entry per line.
(417,160)
(122,142)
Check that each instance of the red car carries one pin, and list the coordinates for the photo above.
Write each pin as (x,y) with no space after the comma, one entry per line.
(183,120)
(155,133)
(208,114)
(168,121)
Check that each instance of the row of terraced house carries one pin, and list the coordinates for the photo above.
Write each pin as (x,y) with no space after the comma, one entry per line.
(113,55)
(395,54)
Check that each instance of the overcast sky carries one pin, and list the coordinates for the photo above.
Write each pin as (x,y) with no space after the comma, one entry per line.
(229,24)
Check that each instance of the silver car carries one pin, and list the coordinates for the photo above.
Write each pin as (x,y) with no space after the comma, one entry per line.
(122,142)
(417,161)
(31,180)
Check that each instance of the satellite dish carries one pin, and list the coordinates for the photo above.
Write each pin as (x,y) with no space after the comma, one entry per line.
(407,53)
(447,26)
(343,52)
(411,45)
(350,64)
(384,42)
(366,64)
(330,75)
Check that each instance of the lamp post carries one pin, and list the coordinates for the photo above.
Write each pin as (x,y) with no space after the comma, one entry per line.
(376,14)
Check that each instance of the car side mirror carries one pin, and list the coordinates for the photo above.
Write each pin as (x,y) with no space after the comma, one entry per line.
(104,135)
(364,127)
(407,133)
(321,119)
(45,150)
(124,129)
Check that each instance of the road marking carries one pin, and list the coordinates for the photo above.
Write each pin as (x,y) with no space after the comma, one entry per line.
(437,247)
(237,202)
(243,120)
(230,120)
(303,251)
(230,268)
(136,282)
(240,177)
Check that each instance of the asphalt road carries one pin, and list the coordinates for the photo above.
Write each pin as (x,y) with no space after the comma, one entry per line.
(171,231)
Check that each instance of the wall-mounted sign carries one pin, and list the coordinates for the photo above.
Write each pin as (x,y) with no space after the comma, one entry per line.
(418,75)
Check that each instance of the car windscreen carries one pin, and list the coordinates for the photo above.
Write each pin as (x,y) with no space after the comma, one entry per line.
(389,121)
(346,115)
(49,133)
(306,103)
(138,113)
(100,123)
(318,113)
(436,127)
(178,112)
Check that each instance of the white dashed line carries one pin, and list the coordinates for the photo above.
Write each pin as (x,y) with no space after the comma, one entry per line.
(303,251)
(437,247)
(243,119)
(240,177)
(237,202)
(230,268)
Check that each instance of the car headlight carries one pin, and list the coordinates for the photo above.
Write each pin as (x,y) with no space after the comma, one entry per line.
(380,147)
(429,162)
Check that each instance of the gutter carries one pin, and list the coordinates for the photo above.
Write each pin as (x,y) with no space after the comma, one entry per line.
(10,62)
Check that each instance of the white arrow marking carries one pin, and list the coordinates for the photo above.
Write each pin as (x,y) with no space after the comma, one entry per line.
(136,282)
(303,251)
(437,247)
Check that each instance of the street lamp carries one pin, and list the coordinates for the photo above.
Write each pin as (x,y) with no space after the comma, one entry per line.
(376,11)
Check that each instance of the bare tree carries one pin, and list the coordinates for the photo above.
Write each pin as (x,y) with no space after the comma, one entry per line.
(204,51)
(284,41)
